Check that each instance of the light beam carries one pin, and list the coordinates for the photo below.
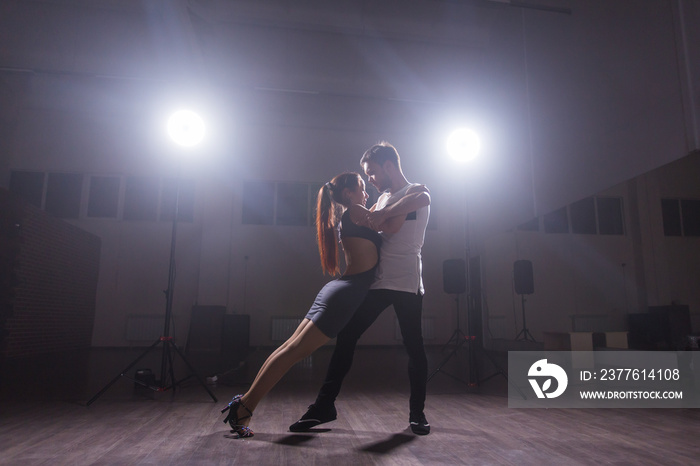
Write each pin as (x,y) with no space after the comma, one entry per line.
(186,128)
(463,144)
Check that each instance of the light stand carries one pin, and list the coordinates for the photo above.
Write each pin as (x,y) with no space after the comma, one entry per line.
(464,145)
(458,335)
(476,347)
(167,372)
(524,334)
(459,338)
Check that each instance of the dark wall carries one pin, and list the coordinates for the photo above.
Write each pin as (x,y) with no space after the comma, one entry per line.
(49,280)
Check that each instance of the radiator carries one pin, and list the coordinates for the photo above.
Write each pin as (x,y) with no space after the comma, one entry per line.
(589,323)
(497,326)
(427,324)
(283,327)
(145,327)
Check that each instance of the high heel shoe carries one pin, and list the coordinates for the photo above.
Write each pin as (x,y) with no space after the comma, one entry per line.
(233,419)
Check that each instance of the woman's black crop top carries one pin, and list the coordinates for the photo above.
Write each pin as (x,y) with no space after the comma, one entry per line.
(352,230)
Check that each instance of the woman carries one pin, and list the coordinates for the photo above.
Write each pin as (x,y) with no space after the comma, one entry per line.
(340,208)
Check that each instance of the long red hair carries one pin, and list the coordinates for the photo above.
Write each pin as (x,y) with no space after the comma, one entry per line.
(329,210)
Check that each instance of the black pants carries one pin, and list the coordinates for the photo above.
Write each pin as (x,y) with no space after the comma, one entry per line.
(408,307)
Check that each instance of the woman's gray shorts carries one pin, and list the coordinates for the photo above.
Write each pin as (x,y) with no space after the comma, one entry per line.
(338,300)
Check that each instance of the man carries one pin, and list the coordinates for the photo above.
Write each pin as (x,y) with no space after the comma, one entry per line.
(399,282)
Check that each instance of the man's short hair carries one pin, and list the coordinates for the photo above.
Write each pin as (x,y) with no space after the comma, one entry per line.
(380,153)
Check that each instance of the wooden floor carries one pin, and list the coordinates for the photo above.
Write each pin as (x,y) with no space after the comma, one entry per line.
(44,419)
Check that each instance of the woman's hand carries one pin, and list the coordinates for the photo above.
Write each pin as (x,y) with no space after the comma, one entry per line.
(376,219)
(360,216)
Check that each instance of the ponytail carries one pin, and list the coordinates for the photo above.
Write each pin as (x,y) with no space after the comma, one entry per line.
(326,230)
(328,213)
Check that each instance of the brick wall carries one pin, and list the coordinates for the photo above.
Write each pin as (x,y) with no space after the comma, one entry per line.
(49,280)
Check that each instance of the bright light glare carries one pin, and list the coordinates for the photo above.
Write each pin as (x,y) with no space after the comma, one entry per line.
(186,128)
(463,144)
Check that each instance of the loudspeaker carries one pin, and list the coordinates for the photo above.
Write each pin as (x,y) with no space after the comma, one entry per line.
(144,376)
(673,323)
(644,334)
(205,328)
(523,278)
(236,333)
(454,279)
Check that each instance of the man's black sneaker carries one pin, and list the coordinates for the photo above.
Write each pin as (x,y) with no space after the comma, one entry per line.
(314,416)
(419,425)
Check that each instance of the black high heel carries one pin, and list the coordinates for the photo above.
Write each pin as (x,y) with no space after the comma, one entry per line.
(233,419)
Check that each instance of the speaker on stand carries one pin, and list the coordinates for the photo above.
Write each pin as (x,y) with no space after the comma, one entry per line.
(454,280)
(524,283)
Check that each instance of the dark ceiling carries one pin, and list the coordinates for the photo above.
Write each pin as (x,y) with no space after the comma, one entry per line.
(570,96)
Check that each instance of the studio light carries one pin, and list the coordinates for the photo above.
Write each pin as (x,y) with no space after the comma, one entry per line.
(463,144)
(186,128)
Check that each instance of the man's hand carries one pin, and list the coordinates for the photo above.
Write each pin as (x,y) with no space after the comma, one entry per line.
(421,188)
(391,218)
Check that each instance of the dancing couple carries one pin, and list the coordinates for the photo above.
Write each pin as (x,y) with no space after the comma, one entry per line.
(382,247)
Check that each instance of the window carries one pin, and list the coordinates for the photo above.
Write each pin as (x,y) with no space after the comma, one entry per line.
(532,225)
(141,198)
(610,219)
(258,202)
(28,185)
(671,215)
(589,216)
(283,203)
(681,217)
(556,222)
(292,204)
(690,214)
(185,206)
(583,217)
(104,196)
(63,193)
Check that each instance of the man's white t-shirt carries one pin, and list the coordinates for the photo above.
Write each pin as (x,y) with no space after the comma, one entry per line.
(400,264)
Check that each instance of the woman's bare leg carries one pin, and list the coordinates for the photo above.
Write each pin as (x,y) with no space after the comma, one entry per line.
(272,356)
(305,340)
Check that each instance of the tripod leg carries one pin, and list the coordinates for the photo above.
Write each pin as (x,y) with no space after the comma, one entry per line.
(171,368)
(444,361)
(500,371)
(121,374)
(192,371)
(531,338)
(454,338)
(473,364)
